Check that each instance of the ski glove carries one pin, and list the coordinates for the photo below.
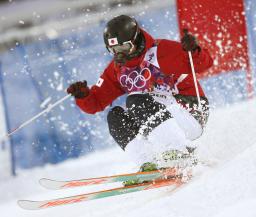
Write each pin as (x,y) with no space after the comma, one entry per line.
(189,42)
(79,89)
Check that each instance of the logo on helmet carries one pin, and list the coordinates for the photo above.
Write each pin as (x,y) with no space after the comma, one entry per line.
(112,41)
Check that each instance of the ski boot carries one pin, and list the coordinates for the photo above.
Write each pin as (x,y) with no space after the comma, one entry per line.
(177,158)
(146,167)
(182,162)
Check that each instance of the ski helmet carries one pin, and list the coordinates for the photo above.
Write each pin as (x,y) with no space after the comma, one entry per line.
(123,38)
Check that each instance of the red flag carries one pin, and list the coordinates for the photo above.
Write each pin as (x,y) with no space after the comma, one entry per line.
(221,28)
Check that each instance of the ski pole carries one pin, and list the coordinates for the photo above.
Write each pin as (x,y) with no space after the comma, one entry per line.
(200,108)
(49,108)
(195,80)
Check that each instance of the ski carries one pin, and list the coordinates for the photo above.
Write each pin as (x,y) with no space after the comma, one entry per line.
(140,176)
(37,205)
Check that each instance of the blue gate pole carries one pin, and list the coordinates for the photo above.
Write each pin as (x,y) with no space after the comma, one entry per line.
(251,24)
(52,131)
(8,124)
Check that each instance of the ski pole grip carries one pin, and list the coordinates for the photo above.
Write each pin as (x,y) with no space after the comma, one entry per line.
(185,31)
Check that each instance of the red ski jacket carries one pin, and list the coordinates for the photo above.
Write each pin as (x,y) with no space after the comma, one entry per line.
(172,61)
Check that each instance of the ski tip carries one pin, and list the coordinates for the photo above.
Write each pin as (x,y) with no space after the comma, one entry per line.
(26,204)
(48,183)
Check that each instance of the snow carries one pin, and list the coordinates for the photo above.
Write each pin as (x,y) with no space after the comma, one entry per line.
(224,189)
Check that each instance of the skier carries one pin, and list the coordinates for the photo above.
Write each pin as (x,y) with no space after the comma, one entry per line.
(161,117)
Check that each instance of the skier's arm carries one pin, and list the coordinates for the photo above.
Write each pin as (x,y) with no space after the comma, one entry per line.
(172,58)
(101,94)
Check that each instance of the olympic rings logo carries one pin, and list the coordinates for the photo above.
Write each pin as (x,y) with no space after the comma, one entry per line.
(135,79)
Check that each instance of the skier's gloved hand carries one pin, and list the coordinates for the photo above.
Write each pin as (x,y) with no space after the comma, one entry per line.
(189,42)
(79,89)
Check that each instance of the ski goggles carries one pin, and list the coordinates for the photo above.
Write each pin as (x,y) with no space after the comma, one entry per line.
(126,48)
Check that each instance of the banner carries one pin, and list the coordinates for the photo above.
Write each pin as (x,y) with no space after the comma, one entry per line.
(220,27)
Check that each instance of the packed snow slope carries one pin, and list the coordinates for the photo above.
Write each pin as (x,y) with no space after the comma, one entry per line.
(225,189)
